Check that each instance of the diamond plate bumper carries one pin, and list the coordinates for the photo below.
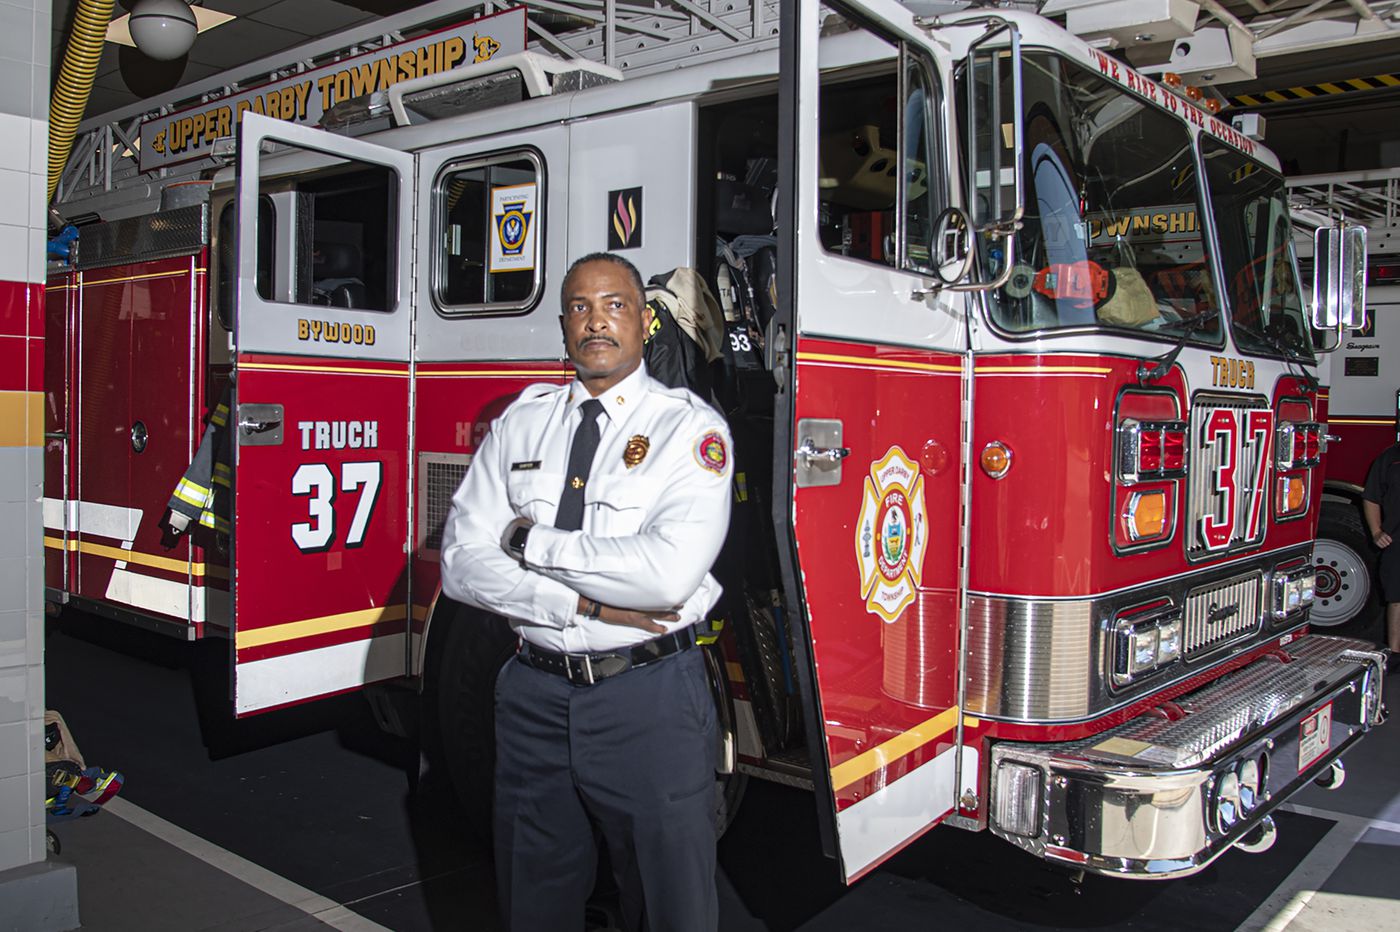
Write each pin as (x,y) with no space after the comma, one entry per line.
(1143,800)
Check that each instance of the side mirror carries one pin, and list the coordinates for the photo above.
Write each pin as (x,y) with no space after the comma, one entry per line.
(952,246)
(1339,277)
(993,147)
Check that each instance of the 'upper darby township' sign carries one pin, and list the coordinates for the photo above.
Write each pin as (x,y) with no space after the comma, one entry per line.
(304,98)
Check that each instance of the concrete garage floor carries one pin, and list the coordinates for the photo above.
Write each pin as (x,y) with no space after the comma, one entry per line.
(302,820)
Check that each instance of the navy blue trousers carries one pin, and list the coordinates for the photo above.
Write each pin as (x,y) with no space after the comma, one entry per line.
(632,758)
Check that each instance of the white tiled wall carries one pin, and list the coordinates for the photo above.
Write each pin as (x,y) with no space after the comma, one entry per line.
(24,91)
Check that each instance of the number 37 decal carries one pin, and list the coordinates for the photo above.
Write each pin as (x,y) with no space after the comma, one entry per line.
(318,483)
(1240,447)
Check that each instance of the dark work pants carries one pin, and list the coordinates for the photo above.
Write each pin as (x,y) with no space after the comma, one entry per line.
(633,755)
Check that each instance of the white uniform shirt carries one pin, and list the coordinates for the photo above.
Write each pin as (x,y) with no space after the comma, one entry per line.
(651,529)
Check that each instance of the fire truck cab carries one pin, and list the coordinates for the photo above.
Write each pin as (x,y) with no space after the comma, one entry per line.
(1026,435)
(1360,394)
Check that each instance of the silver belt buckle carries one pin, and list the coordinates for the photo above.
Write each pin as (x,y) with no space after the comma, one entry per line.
(578,668)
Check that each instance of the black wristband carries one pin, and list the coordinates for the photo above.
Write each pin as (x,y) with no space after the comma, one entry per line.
(595,609)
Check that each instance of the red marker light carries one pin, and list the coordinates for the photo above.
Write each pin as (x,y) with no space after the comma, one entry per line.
(1173,450)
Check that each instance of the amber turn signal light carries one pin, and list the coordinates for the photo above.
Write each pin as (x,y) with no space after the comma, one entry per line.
(996,459)
(1146,515)
(1292,495)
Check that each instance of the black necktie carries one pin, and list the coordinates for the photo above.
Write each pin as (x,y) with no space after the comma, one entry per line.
(570,517)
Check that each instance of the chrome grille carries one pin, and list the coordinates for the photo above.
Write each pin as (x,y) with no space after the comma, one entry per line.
(1201,633)
(1206,460)
(439,475)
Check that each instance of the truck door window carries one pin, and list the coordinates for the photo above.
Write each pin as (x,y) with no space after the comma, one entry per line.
(490,230)
(346,238)
(1256,253)
(338,246)
(881,179)
(226,260)
(1112,232)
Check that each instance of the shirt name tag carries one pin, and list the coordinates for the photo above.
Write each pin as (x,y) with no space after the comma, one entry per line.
(527,465)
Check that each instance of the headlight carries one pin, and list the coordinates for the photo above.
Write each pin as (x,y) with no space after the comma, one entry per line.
(1146,641)
(1249,784)
(1227,801)
(1294,591)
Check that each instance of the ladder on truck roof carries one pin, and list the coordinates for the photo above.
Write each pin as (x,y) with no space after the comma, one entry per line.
(103,174)
(1370,198)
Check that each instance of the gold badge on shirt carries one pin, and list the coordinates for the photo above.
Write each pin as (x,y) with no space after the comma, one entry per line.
(636,450)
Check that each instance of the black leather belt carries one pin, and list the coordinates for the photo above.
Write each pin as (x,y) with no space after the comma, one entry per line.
(587,669)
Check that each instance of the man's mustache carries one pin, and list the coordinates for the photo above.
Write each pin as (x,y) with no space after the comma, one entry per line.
(597,339)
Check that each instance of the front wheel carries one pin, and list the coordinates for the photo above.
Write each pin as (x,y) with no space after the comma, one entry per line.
(473,651)
(1346,597)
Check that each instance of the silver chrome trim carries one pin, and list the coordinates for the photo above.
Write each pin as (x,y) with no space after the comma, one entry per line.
(1135,801)
(1222,612)
(1046,661)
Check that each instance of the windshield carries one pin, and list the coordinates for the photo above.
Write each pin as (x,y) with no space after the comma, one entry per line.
(1256,254)
(1112,233)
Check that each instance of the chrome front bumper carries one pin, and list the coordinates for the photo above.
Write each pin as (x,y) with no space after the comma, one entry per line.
(1144,799)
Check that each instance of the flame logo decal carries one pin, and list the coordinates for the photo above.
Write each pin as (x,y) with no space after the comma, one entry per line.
(625,219)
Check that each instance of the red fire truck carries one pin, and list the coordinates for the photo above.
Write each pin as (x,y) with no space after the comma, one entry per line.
(1360,395)
(1027,436)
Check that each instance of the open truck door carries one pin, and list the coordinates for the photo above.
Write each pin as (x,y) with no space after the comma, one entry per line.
(871,361)
(320,414)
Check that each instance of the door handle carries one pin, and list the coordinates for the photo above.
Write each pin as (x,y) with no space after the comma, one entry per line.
(821,457)
(260,425)
(251,425)
(818,457)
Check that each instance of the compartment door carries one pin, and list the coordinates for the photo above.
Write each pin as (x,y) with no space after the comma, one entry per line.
(875,419)
(320,522)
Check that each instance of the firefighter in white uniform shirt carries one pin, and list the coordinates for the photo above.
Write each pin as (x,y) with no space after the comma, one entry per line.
(590,518)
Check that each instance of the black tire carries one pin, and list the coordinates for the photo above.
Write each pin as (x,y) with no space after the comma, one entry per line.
(1348,601)
(473,649)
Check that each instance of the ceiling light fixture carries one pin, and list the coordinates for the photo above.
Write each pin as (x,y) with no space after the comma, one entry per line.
(120,30)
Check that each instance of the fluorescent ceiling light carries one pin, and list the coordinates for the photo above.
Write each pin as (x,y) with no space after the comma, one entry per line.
(119,29)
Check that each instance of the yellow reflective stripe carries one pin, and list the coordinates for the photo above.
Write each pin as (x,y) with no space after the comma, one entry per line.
(292,630)
(878,363)
(135,278)
(191,492)
(1081,370)
(187,498)
(129,556)
(355,370)
(878,757)
(490,373)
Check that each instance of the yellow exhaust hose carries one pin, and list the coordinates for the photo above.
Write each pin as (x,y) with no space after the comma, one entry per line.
(70,94)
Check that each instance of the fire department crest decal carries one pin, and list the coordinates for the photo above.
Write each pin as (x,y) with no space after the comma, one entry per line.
(891,535)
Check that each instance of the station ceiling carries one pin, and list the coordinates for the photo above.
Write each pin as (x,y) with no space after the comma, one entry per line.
(1329,69)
